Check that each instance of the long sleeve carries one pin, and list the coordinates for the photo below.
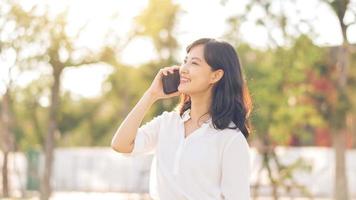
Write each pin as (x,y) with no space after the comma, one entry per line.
(147,136)
(235,180)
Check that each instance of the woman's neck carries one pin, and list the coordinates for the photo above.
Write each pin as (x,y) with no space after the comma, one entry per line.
(200,105)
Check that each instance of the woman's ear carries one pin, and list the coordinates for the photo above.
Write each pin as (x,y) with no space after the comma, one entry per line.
(217,75)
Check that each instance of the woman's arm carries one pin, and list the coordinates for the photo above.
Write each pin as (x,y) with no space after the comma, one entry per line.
(125,135)
(123,140)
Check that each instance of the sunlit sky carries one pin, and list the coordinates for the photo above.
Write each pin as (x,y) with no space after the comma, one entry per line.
(202,18)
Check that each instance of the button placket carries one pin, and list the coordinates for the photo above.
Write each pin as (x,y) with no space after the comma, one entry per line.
(177,158)
(184,141)
(178,154)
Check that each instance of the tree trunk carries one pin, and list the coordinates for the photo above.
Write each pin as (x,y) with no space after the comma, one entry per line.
(5,180)
(353,130)
(7,140)
(46,189)
(339,138)
(341,187)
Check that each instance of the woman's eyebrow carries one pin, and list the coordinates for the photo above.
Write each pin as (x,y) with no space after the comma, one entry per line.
(194,58)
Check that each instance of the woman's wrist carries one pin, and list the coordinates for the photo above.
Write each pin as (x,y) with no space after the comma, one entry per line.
(151,97)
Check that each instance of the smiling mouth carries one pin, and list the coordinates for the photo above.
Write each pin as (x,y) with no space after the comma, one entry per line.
(184,80)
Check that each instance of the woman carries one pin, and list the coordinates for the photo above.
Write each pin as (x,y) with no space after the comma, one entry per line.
(201,151)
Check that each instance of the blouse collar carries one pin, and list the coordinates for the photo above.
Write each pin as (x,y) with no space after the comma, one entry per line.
(186,116)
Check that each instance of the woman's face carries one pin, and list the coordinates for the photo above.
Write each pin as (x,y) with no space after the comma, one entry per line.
(195,74)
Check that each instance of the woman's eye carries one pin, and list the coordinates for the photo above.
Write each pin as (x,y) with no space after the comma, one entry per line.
(194,63)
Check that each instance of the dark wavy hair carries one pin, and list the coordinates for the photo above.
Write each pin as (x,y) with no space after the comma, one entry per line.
(231,100)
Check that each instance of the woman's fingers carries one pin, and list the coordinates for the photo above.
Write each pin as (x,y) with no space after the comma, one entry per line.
(165,71)
(174,67)
(171,69)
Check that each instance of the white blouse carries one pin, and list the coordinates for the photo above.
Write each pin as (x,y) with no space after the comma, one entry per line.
(208,164)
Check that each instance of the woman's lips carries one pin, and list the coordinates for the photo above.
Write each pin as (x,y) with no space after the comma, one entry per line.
(184,80)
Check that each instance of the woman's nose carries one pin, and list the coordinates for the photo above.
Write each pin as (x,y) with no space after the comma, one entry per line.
(183,68)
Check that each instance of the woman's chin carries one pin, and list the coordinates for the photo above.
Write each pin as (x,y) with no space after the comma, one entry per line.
(182,89)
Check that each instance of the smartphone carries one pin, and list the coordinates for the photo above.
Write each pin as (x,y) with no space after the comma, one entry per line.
(171,82)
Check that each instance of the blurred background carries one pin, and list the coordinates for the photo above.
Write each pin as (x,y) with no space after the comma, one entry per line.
(71,70)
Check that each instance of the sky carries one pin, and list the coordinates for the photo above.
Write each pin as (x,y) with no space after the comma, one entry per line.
(202,18)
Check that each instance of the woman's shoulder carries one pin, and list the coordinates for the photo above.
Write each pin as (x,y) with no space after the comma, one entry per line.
(169,114)
(232,135)
(230,132)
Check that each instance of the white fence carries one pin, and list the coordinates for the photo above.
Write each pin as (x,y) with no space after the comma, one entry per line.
(103,170)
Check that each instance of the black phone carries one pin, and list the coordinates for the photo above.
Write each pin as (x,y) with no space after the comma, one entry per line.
(171,82)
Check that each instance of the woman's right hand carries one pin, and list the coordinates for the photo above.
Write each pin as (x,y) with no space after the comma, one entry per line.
(156,88)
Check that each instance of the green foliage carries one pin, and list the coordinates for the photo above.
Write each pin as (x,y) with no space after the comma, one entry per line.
(157,22)
(286,102)
(278,82)
(30,114)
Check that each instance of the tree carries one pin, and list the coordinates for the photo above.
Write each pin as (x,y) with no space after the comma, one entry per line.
(7,138)
(57,50)
(157,22)
(279,88)
(59,42)
(338,109)
(9,55)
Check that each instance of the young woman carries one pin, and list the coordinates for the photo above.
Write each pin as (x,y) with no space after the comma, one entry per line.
(200,149)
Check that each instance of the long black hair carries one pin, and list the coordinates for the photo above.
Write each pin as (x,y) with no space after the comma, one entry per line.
(231,99)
